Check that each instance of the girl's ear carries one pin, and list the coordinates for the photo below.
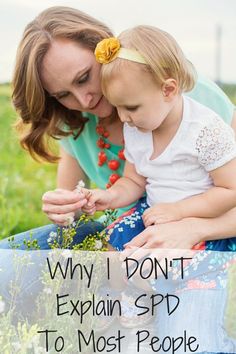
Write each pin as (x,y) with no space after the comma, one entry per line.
(169,88)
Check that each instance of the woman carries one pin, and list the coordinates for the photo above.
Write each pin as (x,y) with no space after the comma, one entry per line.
(57,93)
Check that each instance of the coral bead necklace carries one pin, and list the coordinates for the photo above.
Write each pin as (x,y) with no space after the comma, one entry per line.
(102,156)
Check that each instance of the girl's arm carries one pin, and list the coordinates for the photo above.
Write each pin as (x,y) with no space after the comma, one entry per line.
(222,197)
(125,191)
(217,200)
(188,232)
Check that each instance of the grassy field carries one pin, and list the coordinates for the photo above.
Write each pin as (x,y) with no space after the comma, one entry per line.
(22,180)
(230,90)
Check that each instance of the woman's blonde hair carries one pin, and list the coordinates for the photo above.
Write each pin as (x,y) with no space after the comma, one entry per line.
(161,52)
(43,114)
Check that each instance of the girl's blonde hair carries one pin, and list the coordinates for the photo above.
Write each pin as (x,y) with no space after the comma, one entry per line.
(161,52)
(43,114)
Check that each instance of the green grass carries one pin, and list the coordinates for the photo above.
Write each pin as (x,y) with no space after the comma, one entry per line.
(22,180)
(230,90)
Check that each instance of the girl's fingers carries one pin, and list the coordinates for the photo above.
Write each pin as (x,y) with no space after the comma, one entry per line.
(89,210)
(94,197)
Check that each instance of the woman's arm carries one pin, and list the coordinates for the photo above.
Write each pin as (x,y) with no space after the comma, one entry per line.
(217,200)
(64,202)
(222,227)
(69,172)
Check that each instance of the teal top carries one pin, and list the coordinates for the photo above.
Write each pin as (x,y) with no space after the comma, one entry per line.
(84,149)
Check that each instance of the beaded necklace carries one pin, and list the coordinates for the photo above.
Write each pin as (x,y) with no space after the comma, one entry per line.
(114,164)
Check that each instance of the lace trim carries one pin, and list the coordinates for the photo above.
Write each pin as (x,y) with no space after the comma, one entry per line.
(215,142)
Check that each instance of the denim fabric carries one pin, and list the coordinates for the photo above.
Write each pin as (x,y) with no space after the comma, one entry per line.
(41,234)
(201,313)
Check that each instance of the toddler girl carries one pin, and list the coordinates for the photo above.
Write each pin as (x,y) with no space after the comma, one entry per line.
(178,151)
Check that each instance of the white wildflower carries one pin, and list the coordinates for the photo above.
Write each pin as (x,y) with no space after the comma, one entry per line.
(53,234)
(70,220)
(80,185)
(98,244)
(2,306)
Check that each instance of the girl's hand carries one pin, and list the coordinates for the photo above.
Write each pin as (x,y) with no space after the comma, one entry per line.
(61,205)
(161,213)
(89,208)
(100,198)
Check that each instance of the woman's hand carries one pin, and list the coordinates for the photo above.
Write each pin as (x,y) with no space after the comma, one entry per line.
(61,205)
(183,234)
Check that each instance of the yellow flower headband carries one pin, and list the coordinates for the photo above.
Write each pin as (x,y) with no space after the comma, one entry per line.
(109,49)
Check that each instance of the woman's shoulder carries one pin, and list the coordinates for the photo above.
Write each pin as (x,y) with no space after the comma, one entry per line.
(210,95)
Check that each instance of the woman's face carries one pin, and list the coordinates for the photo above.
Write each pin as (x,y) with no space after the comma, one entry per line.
(71,74)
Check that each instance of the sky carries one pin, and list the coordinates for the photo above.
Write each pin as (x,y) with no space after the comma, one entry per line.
(193,23)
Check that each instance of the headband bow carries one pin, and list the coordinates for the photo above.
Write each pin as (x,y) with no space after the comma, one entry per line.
(109,49)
